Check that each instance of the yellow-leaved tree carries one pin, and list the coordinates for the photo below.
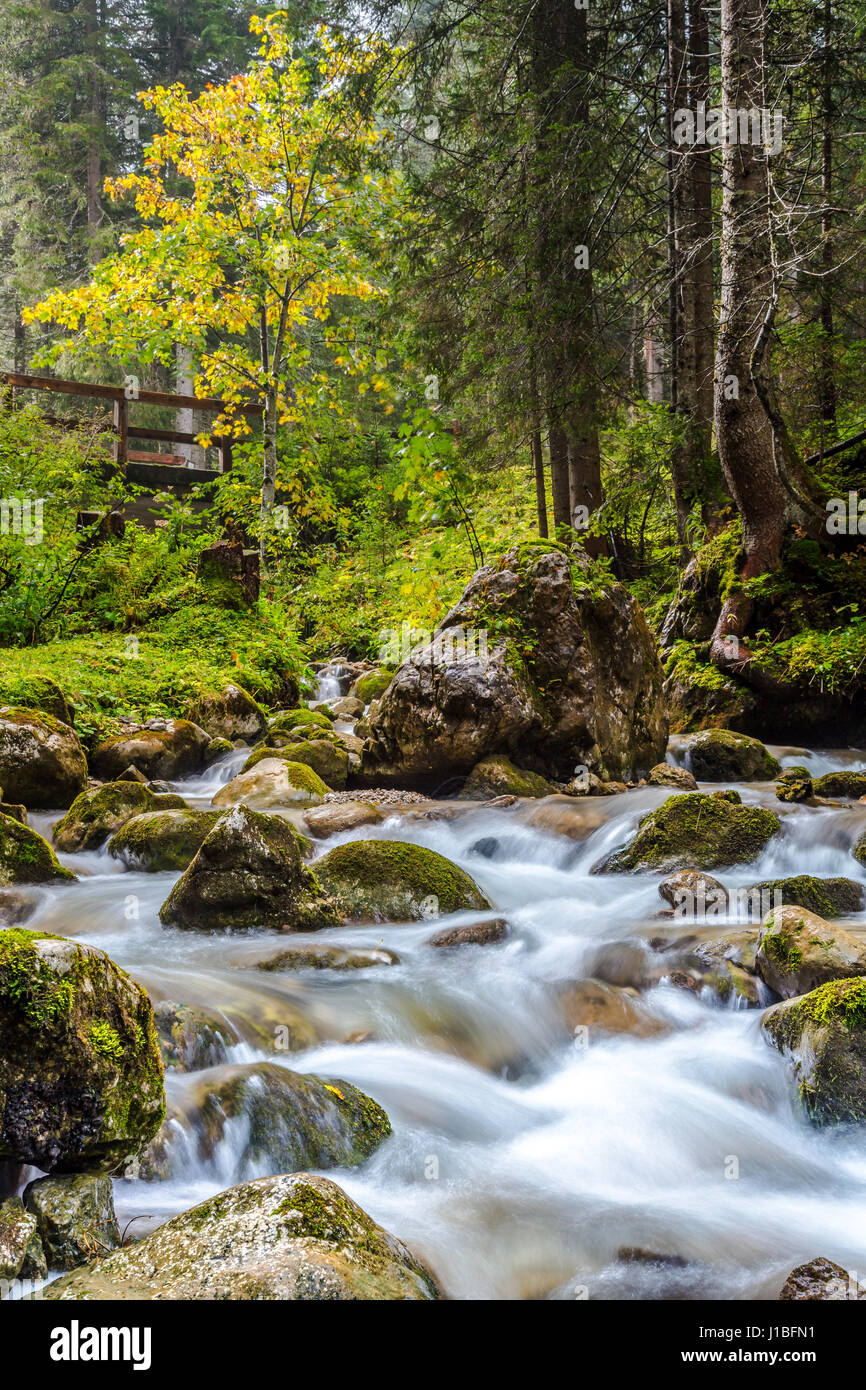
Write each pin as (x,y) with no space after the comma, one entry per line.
(261,201)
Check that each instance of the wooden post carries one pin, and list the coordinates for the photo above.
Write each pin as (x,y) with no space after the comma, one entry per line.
(121,423)
(225,453)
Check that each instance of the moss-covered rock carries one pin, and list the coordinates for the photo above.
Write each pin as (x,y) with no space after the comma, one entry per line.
(545,658)
(794,785)
(720,755)
(290,1237)
(274,781)
(39,693)
(695,831)
(159,748)
(828,897)
(325,957)
(81,1083)
(835,784)
(798,951)
(824,1033)
(371,684)
(248,873)
(25,857)
(693,894)
(161,840)
(96,814)
(328,759)
(287,720)
(75,1217)
(858,849)
(231,714)
(667,775)
(388,880)
(496,775)
(42,763)
(217,748)
(291,1121)
(21,1253)
(191,1038)
(337,817)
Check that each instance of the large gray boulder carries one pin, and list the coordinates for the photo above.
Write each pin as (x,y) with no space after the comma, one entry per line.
(541,659)
(293,1237)
(248,873)
(42,763)
(231,714)
(161,749)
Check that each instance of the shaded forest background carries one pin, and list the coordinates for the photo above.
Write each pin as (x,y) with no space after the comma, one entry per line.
(581,326)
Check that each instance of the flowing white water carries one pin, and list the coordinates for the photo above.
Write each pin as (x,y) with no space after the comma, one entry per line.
(522,1162)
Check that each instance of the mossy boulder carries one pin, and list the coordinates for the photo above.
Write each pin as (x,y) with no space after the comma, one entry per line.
(832,784)
(287,720)
(81,1082)
(21,1253)
(328,759)
(546,659)
(695,831)
(97,814)
(231,714)
(39,693)
(496,775)
(191,1038)
(159,748)
(42,763)
(370,685)
(291,1121)
(720,755)
(217,748)
(667,775)
(798,951)
(162,840)
(794,785)
(291,1237)
(859,848)
(248,873)
(828,897)
(75,1217)
(388,880)
(337,817)
(824,1034)
(25,857)
(274,781)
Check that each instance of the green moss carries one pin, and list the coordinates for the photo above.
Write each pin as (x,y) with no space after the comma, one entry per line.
(294,718)
(105,1040)
(371,685)
(162,840)
(40,995)
(25,857)
(842,1001)
(695,831)
(826,897)
(840,784)
(390,879)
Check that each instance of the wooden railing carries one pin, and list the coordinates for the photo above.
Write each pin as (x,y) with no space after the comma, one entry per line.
(123,431)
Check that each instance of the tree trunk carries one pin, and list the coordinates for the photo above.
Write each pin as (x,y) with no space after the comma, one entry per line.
(559,480)
(702,325)
(96,120)
(827,380)
(743,431)
(269,472)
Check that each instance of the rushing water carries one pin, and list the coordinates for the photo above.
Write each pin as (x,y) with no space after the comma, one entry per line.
(522,1161)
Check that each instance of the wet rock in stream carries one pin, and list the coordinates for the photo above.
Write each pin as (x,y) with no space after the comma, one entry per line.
(288,1237)
(248,873)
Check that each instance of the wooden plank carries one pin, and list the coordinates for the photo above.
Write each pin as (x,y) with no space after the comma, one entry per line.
(117,393)
(121,421)
(147,456)
(162,475)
